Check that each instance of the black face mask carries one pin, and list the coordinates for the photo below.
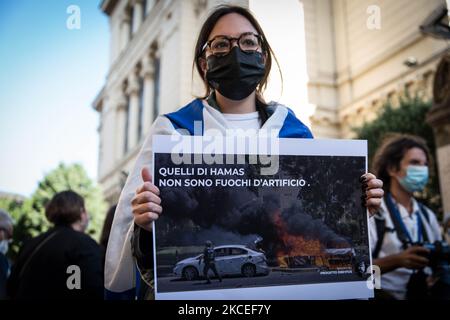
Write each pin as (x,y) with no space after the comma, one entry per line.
(237,74)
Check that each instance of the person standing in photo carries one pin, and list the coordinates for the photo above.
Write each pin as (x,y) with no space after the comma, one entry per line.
(46,262)
(209,260)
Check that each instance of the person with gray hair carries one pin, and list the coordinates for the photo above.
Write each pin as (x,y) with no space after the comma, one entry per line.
(6,231)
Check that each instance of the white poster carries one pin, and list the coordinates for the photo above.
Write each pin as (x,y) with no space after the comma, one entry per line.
(260,219)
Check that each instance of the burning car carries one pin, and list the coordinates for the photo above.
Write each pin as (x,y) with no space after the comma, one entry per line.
(229,260)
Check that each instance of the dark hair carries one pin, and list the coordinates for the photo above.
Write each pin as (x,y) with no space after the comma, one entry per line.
(205,31)
(65,208)
(107,226)
(391,152)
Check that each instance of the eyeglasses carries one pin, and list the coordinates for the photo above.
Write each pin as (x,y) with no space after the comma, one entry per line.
(221,45)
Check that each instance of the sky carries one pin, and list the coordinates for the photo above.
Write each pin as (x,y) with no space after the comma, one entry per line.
(284,28)
(49,76)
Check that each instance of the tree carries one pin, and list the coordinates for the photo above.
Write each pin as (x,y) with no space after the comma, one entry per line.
(29,214)
(408,117)
(75,178)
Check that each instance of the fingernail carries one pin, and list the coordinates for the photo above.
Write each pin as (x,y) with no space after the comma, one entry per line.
(362,179)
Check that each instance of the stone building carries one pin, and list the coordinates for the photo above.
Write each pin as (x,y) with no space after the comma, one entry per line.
(341,59)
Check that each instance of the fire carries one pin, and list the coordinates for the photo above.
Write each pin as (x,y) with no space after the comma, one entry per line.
(294,245)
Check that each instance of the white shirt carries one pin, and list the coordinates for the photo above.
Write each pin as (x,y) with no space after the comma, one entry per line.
(243,121)
(395,282)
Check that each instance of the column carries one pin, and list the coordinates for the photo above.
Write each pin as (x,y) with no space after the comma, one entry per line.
(439,119)
(133,116)
(124,30)
(121,118)
(137,14)
(148,74)
(156,62)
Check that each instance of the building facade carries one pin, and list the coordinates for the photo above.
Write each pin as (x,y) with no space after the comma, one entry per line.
(351,59)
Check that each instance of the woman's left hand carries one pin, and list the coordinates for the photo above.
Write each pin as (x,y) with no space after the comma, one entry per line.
(372,192)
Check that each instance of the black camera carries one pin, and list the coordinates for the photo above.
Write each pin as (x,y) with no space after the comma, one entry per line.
(439,262)
(439,257)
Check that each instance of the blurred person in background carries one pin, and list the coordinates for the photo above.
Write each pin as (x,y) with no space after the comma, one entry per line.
(402,225)
(6,231)
(447,229)
(106,230)
(48,265)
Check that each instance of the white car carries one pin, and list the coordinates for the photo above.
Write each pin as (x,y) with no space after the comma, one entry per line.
(230,260)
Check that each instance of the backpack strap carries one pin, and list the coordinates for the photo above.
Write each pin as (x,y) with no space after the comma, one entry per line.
(380,224)
(424,213)
(395,216)
(35,250)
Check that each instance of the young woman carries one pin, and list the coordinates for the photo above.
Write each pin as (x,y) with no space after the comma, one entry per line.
(234,59)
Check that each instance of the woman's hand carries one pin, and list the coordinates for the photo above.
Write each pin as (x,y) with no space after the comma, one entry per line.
(146,204)
(372,192)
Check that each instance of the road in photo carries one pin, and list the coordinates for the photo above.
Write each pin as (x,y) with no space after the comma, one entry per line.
(173,284)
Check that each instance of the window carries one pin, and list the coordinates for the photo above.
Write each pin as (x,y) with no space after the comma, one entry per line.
(221,252)
(141,108)
(409,88)
(237,251)
(156,87)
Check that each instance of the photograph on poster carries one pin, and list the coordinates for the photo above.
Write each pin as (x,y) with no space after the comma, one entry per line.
(226,226)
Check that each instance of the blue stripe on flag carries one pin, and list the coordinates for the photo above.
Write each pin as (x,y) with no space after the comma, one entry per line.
(294,128)
(185,117)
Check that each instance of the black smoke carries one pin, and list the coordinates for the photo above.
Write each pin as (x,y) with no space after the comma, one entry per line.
(227,216)
(240,215)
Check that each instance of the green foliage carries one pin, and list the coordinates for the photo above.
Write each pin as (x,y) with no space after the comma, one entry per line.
(72,177)
(408,117)
(29,215)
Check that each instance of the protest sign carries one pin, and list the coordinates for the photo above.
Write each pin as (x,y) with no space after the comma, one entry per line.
(260,219)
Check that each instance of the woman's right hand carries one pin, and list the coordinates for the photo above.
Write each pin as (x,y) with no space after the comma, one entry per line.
(146,204)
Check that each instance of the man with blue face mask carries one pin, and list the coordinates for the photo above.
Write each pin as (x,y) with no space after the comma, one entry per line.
(402,163)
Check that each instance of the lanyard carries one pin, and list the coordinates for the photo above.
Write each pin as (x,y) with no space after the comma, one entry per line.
(396,215)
